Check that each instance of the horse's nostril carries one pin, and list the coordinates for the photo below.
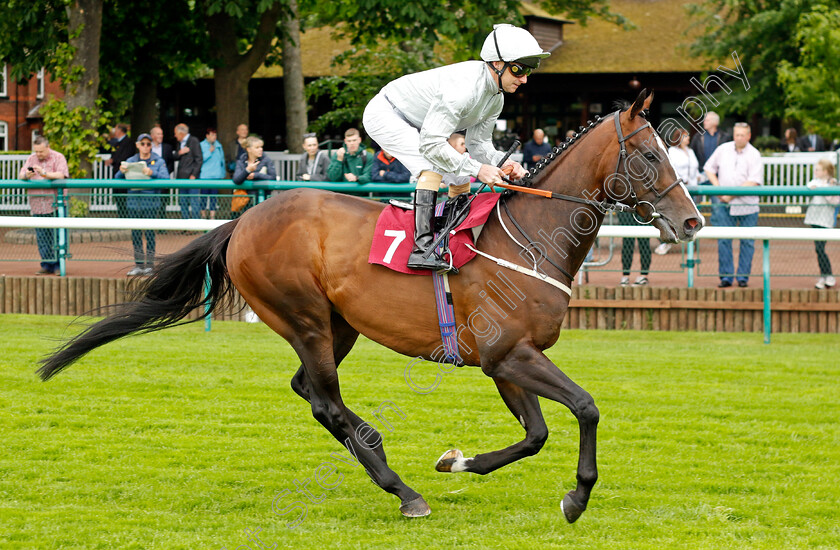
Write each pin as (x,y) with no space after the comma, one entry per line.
(692,226)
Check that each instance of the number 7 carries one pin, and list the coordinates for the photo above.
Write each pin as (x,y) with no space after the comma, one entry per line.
(399,237)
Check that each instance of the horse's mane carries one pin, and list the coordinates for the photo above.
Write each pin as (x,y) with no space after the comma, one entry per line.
(557,151)
(620,105)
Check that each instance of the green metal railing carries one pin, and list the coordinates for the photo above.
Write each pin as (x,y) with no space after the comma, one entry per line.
(261,190)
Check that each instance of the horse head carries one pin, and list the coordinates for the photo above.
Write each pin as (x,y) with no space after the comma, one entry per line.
(644,179)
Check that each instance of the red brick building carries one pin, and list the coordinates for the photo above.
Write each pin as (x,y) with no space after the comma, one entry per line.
(20,103)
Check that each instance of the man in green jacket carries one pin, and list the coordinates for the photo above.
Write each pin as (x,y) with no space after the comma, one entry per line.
(351,162)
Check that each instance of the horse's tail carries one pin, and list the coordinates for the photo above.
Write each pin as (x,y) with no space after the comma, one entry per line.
(176,288)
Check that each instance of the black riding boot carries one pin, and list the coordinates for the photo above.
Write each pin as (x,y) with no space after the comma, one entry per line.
(424,236)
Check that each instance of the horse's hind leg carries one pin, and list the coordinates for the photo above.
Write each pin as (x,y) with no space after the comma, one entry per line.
(525,407)
(344,337)
(314,346)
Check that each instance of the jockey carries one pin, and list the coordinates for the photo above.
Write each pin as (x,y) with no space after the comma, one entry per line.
(412,118)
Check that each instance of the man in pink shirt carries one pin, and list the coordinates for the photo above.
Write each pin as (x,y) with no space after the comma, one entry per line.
(44,164)
(735,164)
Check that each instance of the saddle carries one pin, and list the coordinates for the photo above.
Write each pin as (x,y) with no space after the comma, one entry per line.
(394,232)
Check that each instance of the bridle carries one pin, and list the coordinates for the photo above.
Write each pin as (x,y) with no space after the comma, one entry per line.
(610,204)
(603,206)
(622,156)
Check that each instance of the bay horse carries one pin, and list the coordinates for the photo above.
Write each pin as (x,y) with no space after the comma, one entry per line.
(300,260)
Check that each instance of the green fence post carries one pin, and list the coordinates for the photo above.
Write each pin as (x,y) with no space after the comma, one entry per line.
(690,263)
(766,269)
(61,209)
(260,195)
(209,319)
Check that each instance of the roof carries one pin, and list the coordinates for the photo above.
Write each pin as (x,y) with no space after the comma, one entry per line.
(35,112)
(527,9)
(598,47)
(318,47)
(654,46)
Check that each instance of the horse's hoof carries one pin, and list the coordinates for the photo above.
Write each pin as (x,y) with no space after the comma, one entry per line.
(447,459)
(416,508)
(571,509)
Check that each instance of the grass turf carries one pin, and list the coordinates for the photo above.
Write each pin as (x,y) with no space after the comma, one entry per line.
(183,439)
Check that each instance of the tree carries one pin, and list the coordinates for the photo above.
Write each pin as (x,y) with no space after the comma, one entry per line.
(63,37)
(33,34)
(370,69)
(241,35)
(392,37)
(150,44)
(293,87)
(763,35)
(465,23)
(811,86)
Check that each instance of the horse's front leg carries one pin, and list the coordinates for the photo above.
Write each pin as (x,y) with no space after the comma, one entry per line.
(525,407)
(527,367)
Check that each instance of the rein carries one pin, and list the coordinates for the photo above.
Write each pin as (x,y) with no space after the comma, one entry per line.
(602,206)
(606,205)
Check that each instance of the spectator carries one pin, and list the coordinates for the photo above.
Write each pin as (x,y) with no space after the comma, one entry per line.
(735,164)
(144,203)
(237,147)
(683,158)
(704,143)
(535,149)
(790,143)
(811,143)
(387,169)
(685,164)
(212,168)
(627,246)
(189,157)
(457,184)
(122,147)
(44,164)
(458,142)
(161,149)
(822,213)
(351,162)
(314,162)
(253,166)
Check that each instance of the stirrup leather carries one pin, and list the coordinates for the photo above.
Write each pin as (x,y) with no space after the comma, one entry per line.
(424,236)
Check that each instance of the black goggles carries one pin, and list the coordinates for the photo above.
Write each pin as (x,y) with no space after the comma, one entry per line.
(518,70)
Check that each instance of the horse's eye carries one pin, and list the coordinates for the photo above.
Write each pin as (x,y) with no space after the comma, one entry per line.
(651,157)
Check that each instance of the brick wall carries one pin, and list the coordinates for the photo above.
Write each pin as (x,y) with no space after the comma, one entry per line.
(19,110)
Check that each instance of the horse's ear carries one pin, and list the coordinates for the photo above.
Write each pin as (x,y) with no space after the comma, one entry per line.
(639,104)
(648,100)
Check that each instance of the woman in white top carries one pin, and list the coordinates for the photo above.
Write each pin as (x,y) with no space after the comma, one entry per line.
(822,213)
(685,165)
(683,158)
